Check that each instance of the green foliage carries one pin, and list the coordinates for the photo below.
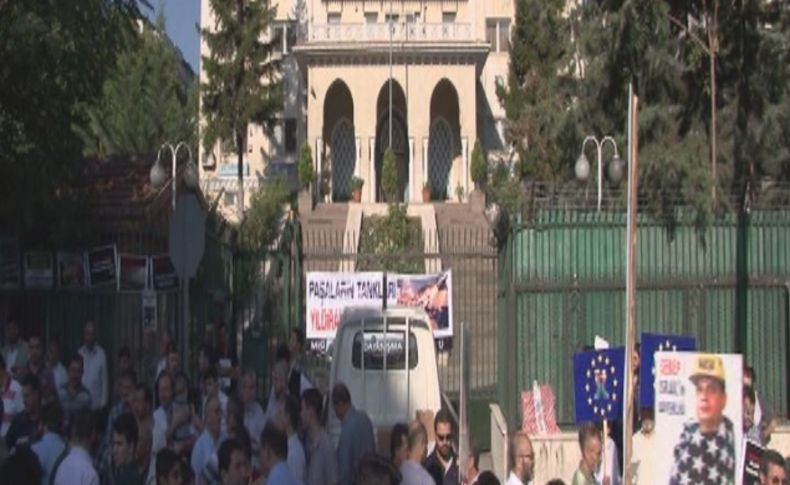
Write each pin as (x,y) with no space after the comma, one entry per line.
(397,238)
(146,101)
(305,167)
(479,166)
(389,175)
(356,183)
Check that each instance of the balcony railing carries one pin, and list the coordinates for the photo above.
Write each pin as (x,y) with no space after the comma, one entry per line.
(411,32)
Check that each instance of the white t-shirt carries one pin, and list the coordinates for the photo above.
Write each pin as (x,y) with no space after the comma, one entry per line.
(77,469)
(12,403)
(297,463)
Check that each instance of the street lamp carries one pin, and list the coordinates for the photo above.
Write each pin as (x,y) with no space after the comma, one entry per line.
(582,168)
(159,176)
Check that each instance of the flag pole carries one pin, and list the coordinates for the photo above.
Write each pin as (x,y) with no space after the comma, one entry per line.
(603,448)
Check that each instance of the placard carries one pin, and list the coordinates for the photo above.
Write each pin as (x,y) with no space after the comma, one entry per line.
(134,272)
(149,310)
(698,406)
(652,343)
(102,266)
(10,268)
(164,274)
(39,270)
(749,466)
(71,270)
(599,386)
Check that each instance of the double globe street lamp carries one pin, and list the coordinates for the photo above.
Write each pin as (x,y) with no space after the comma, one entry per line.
(159,176)
(616,165)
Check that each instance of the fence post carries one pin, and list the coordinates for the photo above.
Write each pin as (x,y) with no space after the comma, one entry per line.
(742,279)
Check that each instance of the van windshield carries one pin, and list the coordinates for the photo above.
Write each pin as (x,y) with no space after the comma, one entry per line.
(377,345)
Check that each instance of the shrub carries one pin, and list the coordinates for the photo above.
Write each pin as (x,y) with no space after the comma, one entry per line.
(389,175)
(305,167)
(479,166)
(356,183)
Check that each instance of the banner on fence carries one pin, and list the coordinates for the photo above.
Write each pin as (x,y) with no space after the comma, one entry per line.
(698,401)
(103,266)
(9,263)
(652,343)
(39,269)
(164,274)
(328,294)
(134,272)
(71,270)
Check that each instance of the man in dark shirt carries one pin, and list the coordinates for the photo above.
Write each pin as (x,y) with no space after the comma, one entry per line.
(124,443)
(442,463)
(356,435)
(24,428)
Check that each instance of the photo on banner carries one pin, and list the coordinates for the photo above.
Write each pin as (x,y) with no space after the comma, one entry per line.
(165,277)
(430,292)
(103,266)
(698,408)
(134,272)
(71,270)
(39,269)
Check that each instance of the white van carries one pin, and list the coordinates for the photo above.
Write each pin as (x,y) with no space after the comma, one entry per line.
(370,355)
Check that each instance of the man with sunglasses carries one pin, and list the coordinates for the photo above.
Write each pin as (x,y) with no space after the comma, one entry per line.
(442,463)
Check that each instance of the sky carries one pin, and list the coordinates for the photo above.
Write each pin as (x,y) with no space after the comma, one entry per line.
(182,17)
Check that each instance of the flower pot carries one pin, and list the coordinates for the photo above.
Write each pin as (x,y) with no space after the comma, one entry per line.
(356,195)
(426,195)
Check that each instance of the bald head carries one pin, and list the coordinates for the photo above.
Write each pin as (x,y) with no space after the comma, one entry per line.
(418,442)
(522,458)
(89,334)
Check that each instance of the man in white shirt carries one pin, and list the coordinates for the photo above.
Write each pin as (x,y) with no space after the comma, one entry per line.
(59,373)
(12,398)
(522,459)
(253,414)
(94,375)
(77,467)
(289,422)
(279,391)
(15,349)
(204,460)
(643,460)
(411,470)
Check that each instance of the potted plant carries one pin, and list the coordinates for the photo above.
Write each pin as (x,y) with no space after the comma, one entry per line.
(479,167)
(459,192)
(356,188)
(426,192)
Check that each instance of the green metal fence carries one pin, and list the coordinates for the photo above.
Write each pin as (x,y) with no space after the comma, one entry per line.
(562,281)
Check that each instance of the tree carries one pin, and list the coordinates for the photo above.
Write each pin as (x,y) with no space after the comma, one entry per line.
(305,168)
(242,74)
(479,166)
(389,175)
(147,100)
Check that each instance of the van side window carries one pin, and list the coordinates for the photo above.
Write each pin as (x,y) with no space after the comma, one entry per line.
(375,345)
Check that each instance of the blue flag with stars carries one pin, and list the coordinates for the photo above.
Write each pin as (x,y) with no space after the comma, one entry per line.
(599,384)
(652,343)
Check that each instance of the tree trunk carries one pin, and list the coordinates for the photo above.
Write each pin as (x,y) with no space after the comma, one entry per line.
(240,158)
(713,124)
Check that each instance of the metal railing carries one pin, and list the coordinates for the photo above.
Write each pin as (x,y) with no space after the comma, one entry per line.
(380,32)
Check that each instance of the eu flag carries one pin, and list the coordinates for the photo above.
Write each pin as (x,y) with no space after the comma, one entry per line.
(599,384)
(652,343)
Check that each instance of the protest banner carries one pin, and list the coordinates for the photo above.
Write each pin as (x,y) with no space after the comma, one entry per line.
(10,268)
(134,272)
(39,270)
(328,294)
(599,384)
(538,408)
(164,274)
(749,465)
(103,266)
(698,406)
(71,270)
(652,343)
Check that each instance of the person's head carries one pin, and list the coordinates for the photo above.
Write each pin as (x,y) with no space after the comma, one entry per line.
(748,407)
(487,478)
(418,442)
(31,393)
(708,377)
(164,389)
(75,370)
(591,445)
(124,439)
(312,403)
(124,359)
(341,400)
(249,387)
(280,378)
(296,342)
(142,401)
(52,417)
(35,349)
(399,444)
(206,358)
(749,376)
(126,382)
(282,352)
(168,468)
(443,428)
(773,470)
(173,360)
(375,469)
(53,351)
(12,331)
(648,418)
(83,428)
(234,413)
(522,458)
(472,462)
(213,415)
(89,334)
(234,463)
(165,339)
(22,466)
(274,447)
(211,382)
(289,415)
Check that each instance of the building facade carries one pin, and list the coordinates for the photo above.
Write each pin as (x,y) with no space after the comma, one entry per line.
(359,73)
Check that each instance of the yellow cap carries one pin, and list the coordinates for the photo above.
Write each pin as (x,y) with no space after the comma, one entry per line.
(708,365)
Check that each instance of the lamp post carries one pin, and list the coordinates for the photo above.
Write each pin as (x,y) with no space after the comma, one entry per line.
(582,168)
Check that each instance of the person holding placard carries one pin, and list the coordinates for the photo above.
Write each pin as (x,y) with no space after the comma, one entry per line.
(591,446)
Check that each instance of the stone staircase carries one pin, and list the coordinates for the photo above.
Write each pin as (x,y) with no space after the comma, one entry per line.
(324,237)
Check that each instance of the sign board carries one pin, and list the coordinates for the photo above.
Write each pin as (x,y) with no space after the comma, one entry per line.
(187,235)
(39,270)
(164,274)
(698,401)
(71,270)
(103,266)
(134,272)
(749,466)
(10,268)
(652,343)
(149,310)
(599,384)
(328,294)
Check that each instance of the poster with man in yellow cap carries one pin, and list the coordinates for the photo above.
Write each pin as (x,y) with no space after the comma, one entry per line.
(698,417)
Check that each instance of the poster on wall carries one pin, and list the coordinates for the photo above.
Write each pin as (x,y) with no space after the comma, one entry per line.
(328,294)
(134,272)
(39,270)
(71,270)
(698,408)
(149,310)
(102,266)
(9,263)
(164,274)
